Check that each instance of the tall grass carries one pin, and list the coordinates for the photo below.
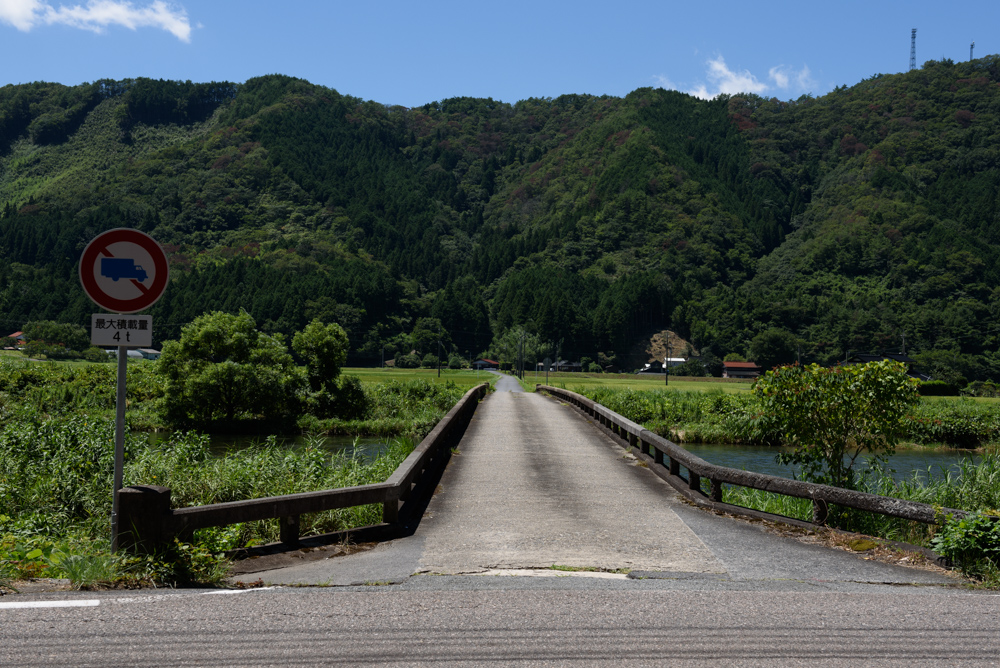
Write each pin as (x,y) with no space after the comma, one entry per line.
(195,477)
(718,417)
(408,408)
(56,479)
(974,487)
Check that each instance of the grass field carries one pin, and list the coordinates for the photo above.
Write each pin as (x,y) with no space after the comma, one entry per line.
(461,377)
(570,381)
(583,381)
(18,356)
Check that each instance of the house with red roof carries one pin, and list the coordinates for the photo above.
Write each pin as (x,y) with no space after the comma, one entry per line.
(18,338)
(740,370)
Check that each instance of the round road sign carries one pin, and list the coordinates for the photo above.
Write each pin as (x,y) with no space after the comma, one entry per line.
(123,270)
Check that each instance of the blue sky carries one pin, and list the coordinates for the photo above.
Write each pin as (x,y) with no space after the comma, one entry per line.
(411,53)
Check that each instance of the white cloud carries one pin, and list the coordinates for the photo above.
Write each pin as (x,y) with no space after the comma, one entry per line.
(723,80)
(780,77)
(786,78)
(664,82)
(97,15)
(22,14)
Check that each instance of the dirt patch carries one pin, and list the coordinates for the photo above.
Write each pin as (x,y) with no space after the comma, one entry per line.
(38,586)
(282,558)
(653,347)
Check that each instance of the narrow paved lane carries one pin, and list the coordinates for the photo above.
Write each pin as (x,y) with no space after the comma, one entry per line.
(535,484)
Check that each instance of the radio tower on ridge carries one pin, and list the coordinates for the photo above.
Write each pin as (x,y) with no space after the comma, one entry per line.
(913,49)
(971,48)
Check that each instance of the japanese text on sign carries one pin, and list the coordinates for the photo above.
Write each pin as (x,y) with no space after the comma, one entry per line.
(114,330)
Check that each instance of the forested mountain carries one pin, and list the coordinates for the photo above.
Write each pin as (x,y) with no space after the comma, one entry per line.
(826,224)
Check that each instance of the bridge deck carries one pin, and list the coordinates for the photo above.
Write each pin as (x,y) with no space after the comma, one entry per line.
(534,484)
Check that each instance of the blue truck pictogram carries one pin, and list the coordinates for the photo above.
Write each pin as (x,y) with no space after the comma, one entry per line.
(119,267)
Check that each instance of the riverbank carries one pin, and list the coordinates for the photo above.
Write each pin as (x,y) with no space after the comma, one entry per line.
(960,424)
(56,468)
(55,498)
(724,417)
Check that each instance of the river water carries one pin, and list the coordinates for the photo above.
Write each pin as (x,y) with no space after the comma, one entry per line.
(762,460)
(751,458)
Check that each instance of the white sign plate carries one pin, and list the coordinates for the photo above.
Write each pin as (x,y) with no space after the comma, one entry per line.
(124,270)
(110,330)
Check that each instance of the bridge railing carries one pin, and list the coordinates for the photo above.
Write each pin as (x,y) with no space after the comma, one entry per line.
(148,521)
(666,459)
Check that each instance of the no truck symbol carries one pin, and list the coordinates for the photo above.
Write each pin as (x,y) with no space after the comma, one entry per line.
(116,268)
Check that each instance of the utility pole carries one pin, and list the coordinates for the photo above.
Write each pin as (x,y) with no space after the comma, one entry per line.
(440,350)
(666,364)
(521,376)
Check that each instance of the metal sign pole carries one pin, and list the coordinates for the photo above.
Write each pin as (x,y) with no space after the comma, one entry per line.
(119,444)
(109,258)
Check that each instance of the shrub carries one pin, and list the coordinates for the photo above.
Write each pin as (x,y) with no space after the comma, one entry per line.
(832,415)
(937,388)
(970,541)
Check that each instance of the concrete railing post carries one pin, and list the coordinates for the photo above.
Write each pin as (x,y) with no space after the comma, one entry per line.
(144,511)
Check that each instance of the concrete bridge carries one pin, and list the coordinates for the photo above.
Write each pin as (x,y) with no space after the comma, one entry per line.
(534,484)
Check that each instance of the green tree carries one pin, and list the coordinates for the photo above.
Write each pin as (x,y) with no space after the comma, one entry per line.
(324,350)
(222,368)
(773,347)
(73,337)
(691,367)
(832,415)
(426,334)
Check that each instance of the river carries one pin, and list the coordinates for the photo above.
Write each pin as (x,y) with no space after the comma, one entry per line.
(761,459)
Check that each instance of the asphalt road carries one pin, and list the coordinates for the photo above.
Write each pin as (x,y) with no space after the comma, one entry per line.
(486,620)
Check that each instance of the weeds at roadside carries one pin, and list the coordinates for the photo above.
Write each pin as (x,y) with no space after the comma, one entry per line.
(589,569)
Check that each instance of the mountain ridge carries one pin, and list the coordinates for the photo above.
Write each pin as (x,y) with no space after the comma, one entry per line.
(841,222)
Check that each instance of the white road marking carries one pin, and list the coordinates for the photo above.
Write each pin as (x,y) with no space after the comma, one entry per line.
(88,603)
(223,592)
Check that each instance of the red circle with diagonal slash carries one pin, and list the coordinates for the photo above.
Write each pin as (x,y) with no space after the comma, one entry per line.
(124,238)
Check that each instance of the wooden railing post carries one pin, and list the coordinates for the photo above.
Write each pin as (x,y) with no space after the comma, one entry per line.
(821,511)
(288,532)
(144,514)
(694,481)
